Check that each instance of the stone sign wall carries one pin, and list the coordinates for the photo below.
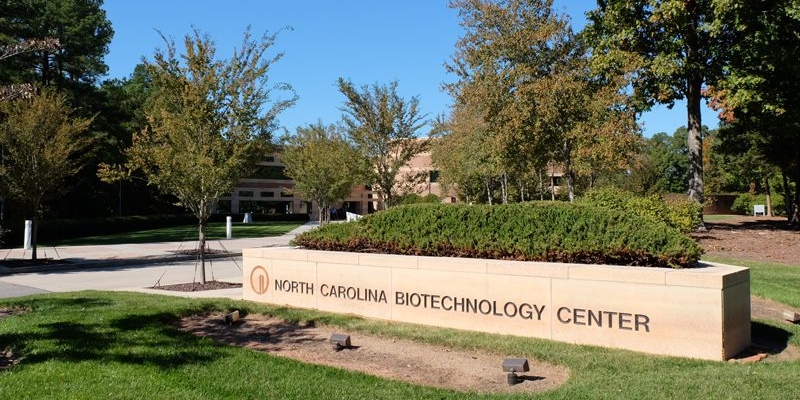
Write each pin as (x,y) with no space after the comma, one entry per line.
(700,312)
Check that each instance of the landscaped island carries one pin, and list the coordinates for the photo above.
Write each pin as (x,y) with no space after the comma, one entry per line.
(492,286)
(544,231)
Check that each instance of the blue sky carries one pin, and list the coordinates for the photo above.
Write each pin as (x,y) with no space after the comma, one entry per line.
(365,41)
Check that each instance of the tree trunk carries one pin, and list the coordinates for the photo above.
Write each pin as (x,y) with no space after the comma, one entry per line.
(787,194)
(202,249)
(489,190)
(568,172)
(769,196)
(34,231)
(795,221)
(504,184)
(541,186)
(694,85)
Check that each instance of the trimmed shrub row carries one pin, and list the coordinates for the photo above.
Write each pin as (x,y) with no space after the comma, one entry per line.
(539,231)
(745,201)
(681,214)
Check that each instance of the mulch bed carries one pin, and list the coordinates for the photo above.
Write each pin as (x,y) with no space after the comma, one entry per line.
(194,252)
(197,286)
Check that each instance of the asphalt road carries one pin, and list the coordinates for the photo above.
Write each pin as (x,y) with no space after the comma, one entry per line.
(14,290)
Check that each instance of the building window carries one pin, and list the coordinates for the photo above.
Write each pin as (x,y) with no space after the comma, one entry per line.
(245,193)
(267,194)
(556,181)
(270,159)
(434,176)
(268,172)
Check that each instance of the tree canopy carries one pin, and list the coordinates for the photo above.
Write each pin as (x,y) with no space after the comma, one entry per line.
(208,121)
(81,28)
(322,164)
(384,127)
(524,74)
(42,145)
(667,50)
(759,94)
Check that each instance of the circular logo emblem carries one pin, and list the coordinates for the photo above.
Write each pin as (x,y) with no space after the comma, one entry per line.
(259,280)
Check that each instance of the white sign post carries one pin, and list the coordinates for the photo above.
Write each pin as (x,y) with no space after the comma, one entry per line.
(229,227)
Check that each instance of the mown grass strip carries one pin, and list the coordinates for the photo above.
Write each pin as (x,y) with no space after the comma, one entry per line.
(216,230)
(774,281)
(122,345)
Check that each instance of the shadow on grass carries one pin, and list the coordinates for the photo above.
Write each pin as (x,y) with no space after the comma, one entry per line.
(768,338)
(75,334)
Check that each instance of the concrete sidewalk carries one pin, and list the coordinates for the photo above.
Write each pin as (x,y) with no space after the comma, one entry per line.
(135,267)
(142,253)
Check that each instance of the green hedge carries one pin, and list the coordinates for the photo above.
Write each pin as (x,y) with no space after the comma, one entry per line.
(745,201)
(540,231)
(682,214)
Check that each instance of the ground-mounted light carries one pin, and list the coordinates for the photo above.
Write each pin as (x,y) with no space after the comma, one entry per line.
(340,341)
(513,365)
(791,316)
(231,317)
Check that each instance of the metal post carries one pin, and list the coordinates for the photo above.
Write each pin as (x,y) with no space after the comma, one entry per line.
(229,227)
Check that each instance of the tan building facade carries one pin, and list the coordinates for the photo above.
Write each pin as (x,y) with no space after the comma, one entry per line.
(268,190)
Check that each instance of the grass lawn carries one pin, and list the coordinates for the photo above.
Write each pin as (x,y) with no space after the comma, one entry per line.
(122,346)
(215,231)
(779,282)
(719,217)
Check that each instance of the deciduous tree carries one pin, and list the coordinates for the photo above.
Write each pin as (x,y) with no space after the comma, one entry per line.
(759,95)
(525,73)
(666,49)
(324,166)
(209,121)
(384,128)
(42,145)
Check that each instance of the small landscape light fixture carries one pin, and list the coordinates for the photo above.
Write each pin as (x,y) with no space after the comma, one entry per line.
(231,317)
(340,341)
(513,365)
(791,316)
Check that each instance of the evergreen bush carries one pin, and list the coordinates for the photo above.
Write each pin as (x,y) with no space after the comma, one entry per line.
(539,231)
(745,201)
(681,214)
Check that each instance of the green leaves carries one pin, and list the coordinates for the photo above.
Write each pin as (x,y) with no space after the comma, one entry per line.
(42,145)
(206,121)
(323,165)
(556,232)
(383,126)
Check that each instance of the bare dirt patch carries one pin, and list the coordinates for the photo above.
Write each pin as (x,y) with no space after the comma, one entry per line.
(403,360)
(197,286)
(753,239)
